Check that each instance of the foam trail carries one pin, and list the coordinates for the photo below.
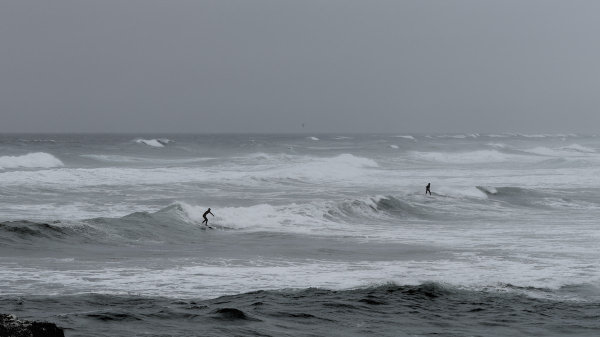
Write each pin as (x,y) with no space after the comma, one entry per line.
(31,160)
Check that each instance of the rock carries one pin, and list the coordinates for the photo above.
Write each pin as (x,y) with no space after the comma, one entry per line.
(10,326)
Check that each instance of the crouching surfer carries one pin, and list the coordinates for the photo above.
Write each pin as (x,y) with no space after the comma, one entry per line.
(205,218)
(426,190)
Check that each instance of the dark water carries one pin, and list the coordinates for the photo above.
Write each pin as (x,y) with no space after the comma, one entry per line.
(390,310)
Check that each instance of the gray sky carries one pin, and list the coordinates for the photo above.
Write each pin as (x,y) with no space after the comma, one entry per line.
(269,66)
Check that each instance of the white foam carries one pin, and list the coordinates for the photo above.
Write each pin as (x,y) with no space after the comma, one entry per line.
(578,148)
(131,159)
(38,140)
(30,160)
(252,170)
(571,150)
(354,161)
(313,138)
(535,136)
(299,218)
(498,136)
(196,277)
(498,145)
(341,137)
(460,192)
(407,137)
(488,189)
(394,146)
(154,142)
(481,156)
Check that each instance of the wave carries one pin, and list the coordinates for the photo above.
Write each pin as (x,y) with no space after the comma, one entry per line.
(535,136)
(385,309)
(250,170)
(31,160)
(37,140)
(458,192)
(152,160)
(497,145)
(161,142)
(313,138)
(347,217)
(468,135)
(407,137)
(565,151)
(578,148)
(473,157)
(175,222)
(283,158)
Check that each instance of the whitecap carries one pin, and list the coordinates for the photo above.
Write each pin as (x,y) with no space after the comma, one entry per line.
(30,160)
(154,142)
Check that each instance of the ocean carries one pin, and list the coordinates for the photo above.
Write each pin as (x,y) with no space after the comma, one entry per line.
(312,234)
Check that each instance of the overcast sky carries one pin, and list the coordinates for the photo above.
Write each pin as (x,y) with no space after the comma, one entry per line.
(269,66)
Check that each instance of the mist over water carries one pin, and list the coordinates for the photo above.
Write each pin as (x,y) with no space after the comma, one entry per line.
(313,233)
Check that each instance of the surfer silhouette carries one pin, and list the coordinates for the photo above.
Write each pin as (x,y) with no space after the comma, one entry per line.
(426,190)
(205,218)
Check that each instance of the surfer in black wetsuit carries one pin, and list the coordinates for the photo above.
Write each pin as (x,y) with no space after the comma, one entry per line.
(426,189)
(205,218)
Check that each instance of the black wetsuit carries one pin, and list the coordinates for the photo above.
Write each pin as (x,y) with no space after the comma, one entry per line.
(427,189)
(205,218)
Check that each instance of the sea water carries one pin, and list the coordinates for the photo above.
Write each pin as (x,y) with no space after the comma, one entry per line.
(312,234)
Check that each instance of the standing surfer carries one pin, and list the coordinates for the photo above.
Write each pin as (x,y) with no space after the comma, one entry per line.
(426,190)
(205,218)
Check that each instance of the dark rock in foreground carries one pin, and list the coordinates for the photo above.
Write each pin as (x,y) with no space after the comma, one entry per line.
(10,326)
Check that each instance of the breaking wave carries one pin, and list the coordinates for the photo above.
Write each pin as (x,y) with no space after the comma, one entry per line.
(475,157)
(31,160)
(565,151)
(161,142)
(578,148)
(407,137)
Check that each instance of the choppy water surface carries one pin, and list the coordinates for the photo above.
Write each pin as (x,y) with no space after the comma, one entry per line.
(313,234)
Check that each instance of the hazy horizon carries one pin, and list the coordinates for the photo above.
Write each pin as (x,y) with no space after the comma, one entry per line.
(268,66)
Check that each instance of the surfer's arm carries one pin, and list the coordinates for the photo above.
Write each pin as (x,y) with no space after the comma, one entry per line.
(211,214)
